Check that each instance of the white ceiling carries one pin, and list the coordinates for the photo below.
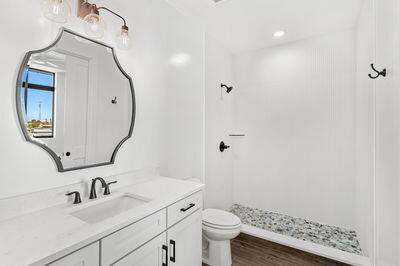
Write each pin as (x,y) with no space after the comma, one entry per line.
(249,24)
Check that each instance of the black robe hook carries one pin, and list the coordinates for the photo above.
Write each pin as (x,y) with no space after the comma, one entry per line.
(379,73)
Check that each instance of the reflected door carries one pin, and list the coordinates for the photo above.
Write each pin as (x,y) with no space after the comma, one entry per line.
(75,111)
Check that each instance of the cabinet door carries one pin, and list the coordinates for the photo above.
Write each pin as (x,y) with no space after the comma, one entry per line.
(184,241)
(87,256)
(153,253)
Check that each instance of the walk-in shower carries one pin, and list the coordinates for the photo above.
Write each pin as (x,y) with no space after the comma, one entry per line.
(300,126)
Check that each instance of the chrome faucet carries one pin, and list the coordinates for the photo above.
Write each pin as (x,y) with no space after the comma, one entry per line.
(93,194)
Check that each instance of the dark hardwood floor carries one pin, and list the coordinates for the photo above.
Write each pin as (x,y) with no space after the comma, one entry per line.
(251,251)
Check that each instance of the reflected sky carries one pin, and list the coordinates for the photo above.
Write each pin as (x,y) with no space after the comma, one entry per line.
(39,103)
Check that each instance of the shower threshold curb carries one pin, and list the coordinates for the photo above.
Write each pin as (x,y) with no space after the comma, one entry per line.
(320,250)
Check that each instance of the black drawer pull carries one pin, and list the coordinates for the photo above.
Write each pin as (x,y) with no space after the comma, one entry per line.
(191,205)
(164,247)
(172,258)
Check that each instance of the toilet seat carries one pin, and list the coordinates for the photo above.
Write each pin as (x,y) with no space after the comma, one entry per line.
(219,219)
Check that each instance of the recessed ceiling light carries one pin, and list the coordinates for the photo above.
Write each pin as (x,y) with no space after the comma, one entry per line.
(279,34)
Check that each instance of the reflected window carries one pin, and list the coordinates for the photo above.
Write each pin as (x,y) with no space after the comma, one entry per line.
(38,102)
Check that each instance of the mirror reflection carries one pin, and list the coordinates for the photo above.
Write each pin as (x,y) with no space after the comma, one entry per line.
(75,101)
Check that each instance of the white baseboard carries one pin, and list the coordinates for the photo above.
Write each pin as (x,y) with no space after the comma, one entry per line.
(323,251)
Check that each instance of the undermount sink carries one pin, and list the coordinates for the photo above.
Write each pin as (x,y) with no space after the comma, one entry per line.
(102,211)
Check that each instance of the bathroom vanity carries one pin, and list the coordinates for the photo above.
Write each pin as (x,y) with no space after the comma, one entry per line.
(158,223)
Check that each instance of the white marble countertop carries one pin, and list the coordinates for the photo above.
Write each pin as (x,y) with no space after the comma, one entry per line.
(41,237)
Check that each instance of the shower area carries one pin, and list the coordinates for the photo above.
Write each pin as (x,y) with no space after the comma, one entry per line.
(294,169)
(300,122)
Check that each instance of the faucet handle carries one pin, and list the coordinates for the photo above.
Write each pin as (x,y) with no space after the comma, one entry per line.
(107,188)
(77,198)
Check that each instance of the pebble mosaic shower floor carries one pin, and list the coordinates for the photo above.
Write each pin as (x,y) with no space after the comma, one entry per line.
(330,236)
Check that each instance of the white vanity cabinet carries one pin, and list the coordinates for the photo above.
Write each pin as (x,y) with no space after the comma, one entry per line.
(180,245)
(171,236)
(153,253)
(184,241)
(184,208)
(87,256)
(130,238)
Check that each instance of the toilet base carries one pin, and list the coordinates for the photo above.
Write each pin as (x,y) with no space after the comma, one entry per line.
(217,253)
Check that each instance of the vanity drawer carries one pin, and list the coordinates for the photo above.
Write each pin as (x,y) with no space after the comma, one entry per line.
(88,256)
(124,241)
(184,208)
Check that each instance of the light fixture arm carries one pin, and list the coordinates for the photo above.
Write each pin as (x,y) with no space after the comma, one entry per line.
(114,13)
(84,8)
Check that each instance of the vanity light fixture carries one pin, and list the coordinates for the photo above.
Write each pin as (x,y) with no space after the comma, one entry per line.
(123,39)
(56,10)
(94,25)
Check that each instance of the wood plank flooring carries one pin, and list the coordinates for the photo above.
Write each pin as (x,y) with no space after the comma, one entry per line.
(251,251)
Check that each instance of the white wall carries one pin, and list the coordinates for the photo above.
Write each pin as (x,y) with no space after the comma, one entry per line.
(183,108)
(26,167)
(295,103)
(387,143)
(364,196)
(218,126)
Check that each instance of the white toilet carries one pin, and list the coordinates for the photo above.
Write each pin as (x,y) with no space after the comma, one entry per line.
(219,227)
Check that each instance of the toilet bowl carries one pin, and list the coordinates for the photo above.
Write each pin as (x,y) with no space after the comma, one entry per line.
(219,227)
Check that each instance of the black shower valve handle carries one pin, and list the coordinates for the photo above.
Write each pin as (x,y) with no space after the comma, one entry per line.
(223,146)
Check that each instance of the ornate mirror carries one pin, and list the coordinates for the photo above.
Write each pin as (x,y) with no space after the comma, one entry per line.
(75,101)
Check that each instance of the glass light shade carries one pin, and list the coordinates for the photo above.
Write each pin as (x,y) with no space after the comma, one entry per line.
(94,26)
(56,10)
(123,40)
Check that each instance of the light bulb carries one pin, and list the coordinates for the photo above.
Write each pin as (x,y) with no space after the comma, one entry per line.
(279,34)
(56,10)
(123,39)
(94,26)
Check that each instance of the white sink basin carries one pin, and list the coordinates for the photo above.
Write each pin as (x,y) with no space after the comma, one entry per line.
(107,209)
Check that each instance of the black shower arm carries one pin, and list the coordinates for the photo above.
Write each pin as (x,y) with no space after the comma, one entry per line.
(228,89)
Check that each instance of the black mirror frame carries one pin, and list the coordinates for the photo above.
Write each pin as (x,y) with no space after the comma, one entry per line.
(20,113)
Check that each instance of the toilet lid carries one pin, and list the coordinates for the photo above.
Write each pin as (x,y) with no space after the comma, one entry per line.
(220,218)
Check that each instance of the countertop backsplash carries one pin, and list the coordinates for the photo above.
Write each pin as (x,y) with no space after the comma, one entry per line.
(28,203)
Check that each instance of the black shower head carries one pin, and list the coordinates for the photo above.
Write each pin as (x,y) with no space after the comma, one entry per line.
(228,89)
